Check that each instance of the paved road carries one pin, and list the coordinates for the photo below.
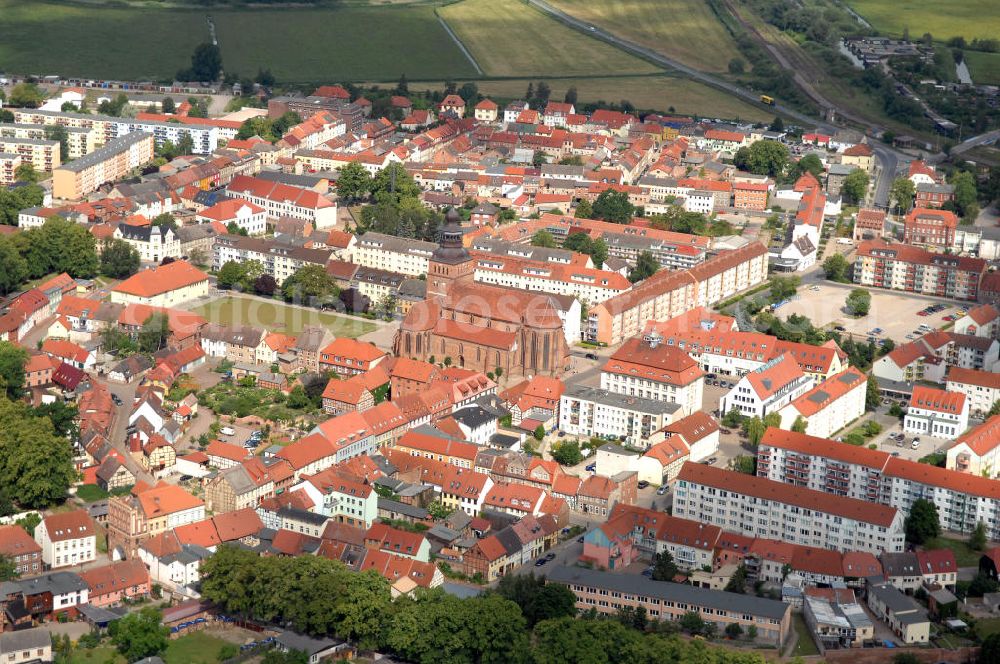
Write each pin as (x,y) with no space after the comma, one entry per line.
(976,141)
(117,439)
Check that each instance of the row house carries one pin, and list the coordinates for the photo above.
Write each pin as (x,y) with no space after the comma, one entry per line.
(281,200)
(279,260)
(147,513)
(392,254)
(755,506)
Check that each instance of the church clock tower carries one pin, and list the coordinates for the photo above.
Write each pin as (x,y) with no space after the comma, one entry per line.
(451,260)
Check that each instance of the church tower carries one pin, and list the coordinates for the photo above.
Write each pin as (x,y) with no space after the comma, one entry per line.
(451,260)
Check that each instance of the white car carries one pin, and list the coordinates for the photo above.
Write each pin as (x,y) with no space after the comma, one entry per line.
(227,431)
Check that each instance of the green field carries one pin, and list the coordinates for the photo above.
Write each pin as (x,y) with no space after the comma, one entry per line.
(509,38)
(195,648)
(278,317)
(679,29)
(645,92)
(298,45)
(968,18)
(983,67)
(102,655)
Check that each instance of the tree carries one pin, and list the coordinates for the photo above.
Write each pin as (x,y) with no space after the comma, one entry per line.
(733,418)
(25,95)
(119,259)
(169,106)
(777,124)
(59,133)
(905,658)
(692,622)
(63,415)
(901,194)
(800,425)
(571,96)
(310,284)
(738,582)
(206,63)
(8,569)
(12,361)
(754,429)
(807,164)
(645,267)
(977,540)
(664,567)
(873,395)
(26,172)
(965,195)
(763,157)
(265,284)
(231,274)
(584,210)
(36,465)
(783,288)
(353,182)
(539,432)
(13,267)
(185,145)
(154,333)
(989,651)
(736,66)
(543,238)
(568,454)
(402,88)
(859,302)
(290,657)
(923,523)
(538,599)
(613,205)
(139,635)
(855,185)
(835,268)
(772,421)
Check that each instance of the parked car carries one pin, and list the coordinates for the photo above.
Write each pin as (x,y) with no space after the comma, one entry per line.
(227,431)
(662,490)
(591,356)
(592,468)
(540,562)
(643,484)
(550,556)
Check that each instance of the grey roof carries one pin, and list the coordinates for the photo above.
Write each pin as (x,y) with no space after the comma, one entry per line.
(510,541)
(236,335)
(616,449)
(396,244)
(57,583)
(306,644)
(28,141)
(374,275)
(900,564)
(499,247)
(311,338)
(504,441)
(638,404)
(935,188)
(296,514)
(195,232)
(413,288)
(111,148)
(26,639)
(473,416)
(141,233)
(411,511)
(239,479)
(635,584)
(904,608)
(272,247)
(443,533)
(188,554)
(842,169)
(304,181)
(97,614)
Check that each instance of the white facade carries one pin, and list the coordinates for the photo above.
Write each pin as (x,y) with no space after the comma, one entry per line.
(744,396)
(800,516)
(702,202)
(979,394)
(65,551)
(393,254)
(824,417)
(159,244)
(935,422)
(587,412)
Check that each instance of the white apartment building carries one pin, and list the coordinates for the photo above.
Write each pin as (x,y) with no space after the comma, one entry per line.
(589,411)
(702,202)
(154,243)
(829,406)
(767,389)
(648,369)
(758,507)
(981,388)
(392,254)
(279,260)
(282,200)
(585,284)
(981,321)
(962,499)
(247,216)
(937,413)
(340,498)
(67,539)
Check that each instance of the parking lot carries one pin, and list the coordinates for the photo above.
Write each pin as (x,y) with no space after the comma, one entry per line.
(896,313)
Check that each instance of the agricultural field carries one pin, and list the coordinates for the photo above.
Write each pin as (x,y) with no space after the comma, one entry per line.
(969,18)
(680,29)
(510,38)
(645,92)
(277,317)
(298,45)
(983,67)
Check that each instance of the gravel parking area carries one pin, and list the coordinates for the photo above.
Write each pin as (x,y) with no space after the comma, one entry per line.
(896,313)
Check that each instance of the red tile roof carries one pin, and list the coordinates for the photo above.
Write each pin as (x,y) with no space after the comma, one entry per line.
(827,392)
(771,378)
(161,279)
(984,437)
(780,492)
(942,401)
(664,364)
(69,525)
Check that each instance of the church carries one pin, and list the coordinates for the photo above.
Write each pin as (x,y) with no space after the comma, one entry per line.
(479,326)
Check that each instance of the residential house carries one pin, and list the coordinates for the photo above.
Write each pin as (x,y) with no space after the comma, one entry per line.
(67,538)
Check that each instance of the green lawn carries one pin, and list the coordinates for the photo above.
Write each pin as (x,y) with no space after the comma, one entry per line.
(969,18)
(277,317)
(101,655)
(297,44)
(964,556)
(805,647)
(510,38)
(983,67)
(987,626)
(195,648)
(90,493)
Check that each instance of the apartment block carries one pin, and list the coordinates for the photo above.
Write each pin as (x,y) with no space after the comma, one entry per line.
(768,388)
(79,140)
(914,270)
(937,413)
(981,388)
(962,498)
(829,406)
(40,153)
(590,411)
(645,367)
(114,161)
(933,228)
(279,260)
(586,284)
(393,254)
(759,507)
(9,161)
(282,200)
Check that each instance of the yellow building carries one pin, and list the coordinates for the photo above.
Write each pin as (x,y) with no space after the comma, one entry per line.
(114,161)
(164,286)
(42,154)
